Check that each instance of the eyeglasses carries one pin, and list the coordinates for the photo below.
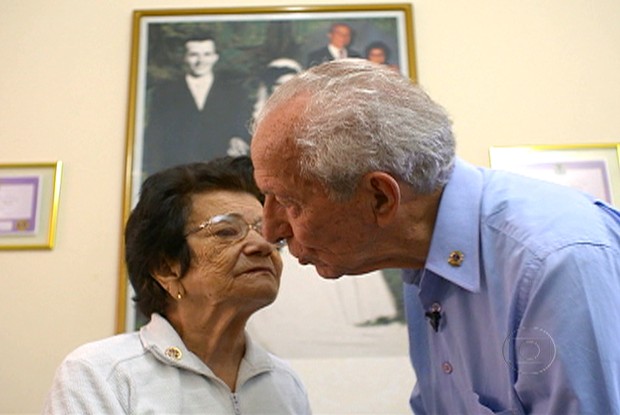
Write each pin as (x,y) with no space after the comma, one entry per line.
(231,227)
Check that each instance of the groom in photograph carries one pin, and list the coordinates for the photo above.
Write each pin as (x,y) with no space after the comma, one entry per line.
(198,116)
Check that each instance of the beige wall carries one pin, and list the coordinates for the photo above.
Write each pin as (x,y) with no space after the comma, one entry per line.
(509,71)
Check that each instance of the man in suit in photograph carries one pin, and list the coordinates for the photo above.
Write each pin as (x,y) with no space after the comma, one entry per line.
(196,117)
(340,35)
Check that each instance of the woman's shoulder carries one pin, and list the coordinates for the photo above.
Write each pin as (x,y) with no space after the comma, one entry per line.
(108,351)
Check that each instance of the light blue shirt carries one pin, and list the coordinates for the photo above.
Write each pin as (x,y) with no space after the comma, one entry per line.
(529,304)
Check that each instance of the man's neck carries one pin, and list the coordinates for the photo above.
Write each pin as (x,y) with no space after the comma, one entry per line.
(335,51)
(199,86)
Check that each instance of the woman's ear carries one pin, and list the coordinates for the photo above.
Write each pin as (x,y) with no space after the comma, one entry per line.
(168,275)
(384,194)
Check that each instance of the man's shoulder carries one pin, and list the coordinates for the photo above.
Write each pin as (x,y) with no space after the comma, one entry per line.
(538,212)
(229,78)
(510,191)
(318,56)
(168,87)
(319,51)
(169,83)
(352,53)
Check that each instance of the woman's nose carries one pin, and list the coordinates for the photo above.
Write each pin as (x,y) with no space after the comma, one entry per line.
(256,242)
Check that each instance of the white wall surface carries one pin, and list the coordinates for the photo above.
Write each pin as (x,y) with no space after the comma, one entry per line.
(509,71)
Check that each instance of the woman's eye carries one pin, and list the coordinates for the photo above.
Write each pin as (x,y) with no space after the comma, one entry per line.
(225,232)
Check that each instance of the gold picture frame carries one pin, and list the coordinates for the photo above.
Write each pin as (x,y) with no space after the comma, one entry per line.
(29,199)
(247,40)
(593,168)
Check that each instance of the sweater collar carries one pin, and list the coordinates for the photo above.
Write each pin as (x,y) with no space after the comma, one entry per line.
(161,339)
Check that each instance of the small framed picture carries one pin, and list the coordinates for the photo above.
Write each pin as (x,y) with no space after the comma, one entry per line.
(592,168)
(29,197)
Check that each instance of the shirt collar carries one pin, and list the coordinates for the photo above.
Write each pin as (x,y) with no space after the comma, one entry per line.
(162,340)
(199,82)
(335,51)
(457,229)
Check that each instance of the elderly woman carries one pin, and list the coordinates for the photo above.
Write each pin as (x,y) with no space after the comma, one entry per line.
(200,268)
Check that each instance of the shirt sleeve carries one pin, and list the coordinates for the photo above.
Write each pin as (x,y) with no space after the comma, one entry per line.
(78,388)
(566,352)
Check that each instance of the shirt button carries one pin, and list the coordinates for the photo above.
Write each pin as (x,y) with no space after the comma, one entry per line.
(446,367)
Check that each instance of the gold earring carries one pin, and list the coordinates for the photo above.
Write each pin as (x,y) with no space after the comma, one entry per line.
(179,296)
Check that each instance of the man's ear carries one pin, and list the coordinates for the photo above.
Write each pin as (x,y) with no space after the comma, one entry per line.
(168,275)
(384,194)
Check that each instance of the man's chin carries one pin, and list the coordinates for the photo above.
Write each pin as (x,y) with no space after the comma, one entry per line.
(327,272)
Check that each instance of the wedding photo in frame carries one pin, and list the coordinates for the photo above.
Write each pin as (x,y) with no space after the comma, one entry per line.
(247,52)
(29,198)
(592,168)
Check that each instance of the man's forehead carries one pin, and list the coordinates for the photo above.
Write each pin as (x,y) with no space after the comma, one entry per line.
(286,111)
(273,149)
(286,184)
(200,44)
(274,164)
(276,172)
(341,28)
(274,135)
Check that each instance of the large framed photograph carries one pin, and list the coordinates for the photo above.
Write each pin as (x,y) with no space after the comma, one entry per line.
(29,198)
(592,168)
(197,78)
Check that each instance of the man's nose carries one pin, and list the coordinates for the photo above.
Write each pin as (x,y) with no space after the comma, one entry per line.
(275,221)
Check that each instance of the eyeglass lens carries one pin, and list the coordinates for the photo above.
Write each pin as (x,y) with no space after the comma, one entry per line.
(231,227)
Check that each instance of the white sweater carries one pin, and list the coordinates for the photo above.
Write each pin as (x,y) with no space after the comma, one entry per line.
(132,373)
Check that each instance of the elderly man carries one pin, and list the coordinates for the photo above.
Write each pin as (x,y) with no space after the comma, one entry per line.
(511,284)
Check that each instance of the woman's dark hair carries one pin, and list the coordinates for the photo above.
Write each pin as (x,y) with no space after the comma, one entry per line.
(154,233)
(271,75)
(378,45)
